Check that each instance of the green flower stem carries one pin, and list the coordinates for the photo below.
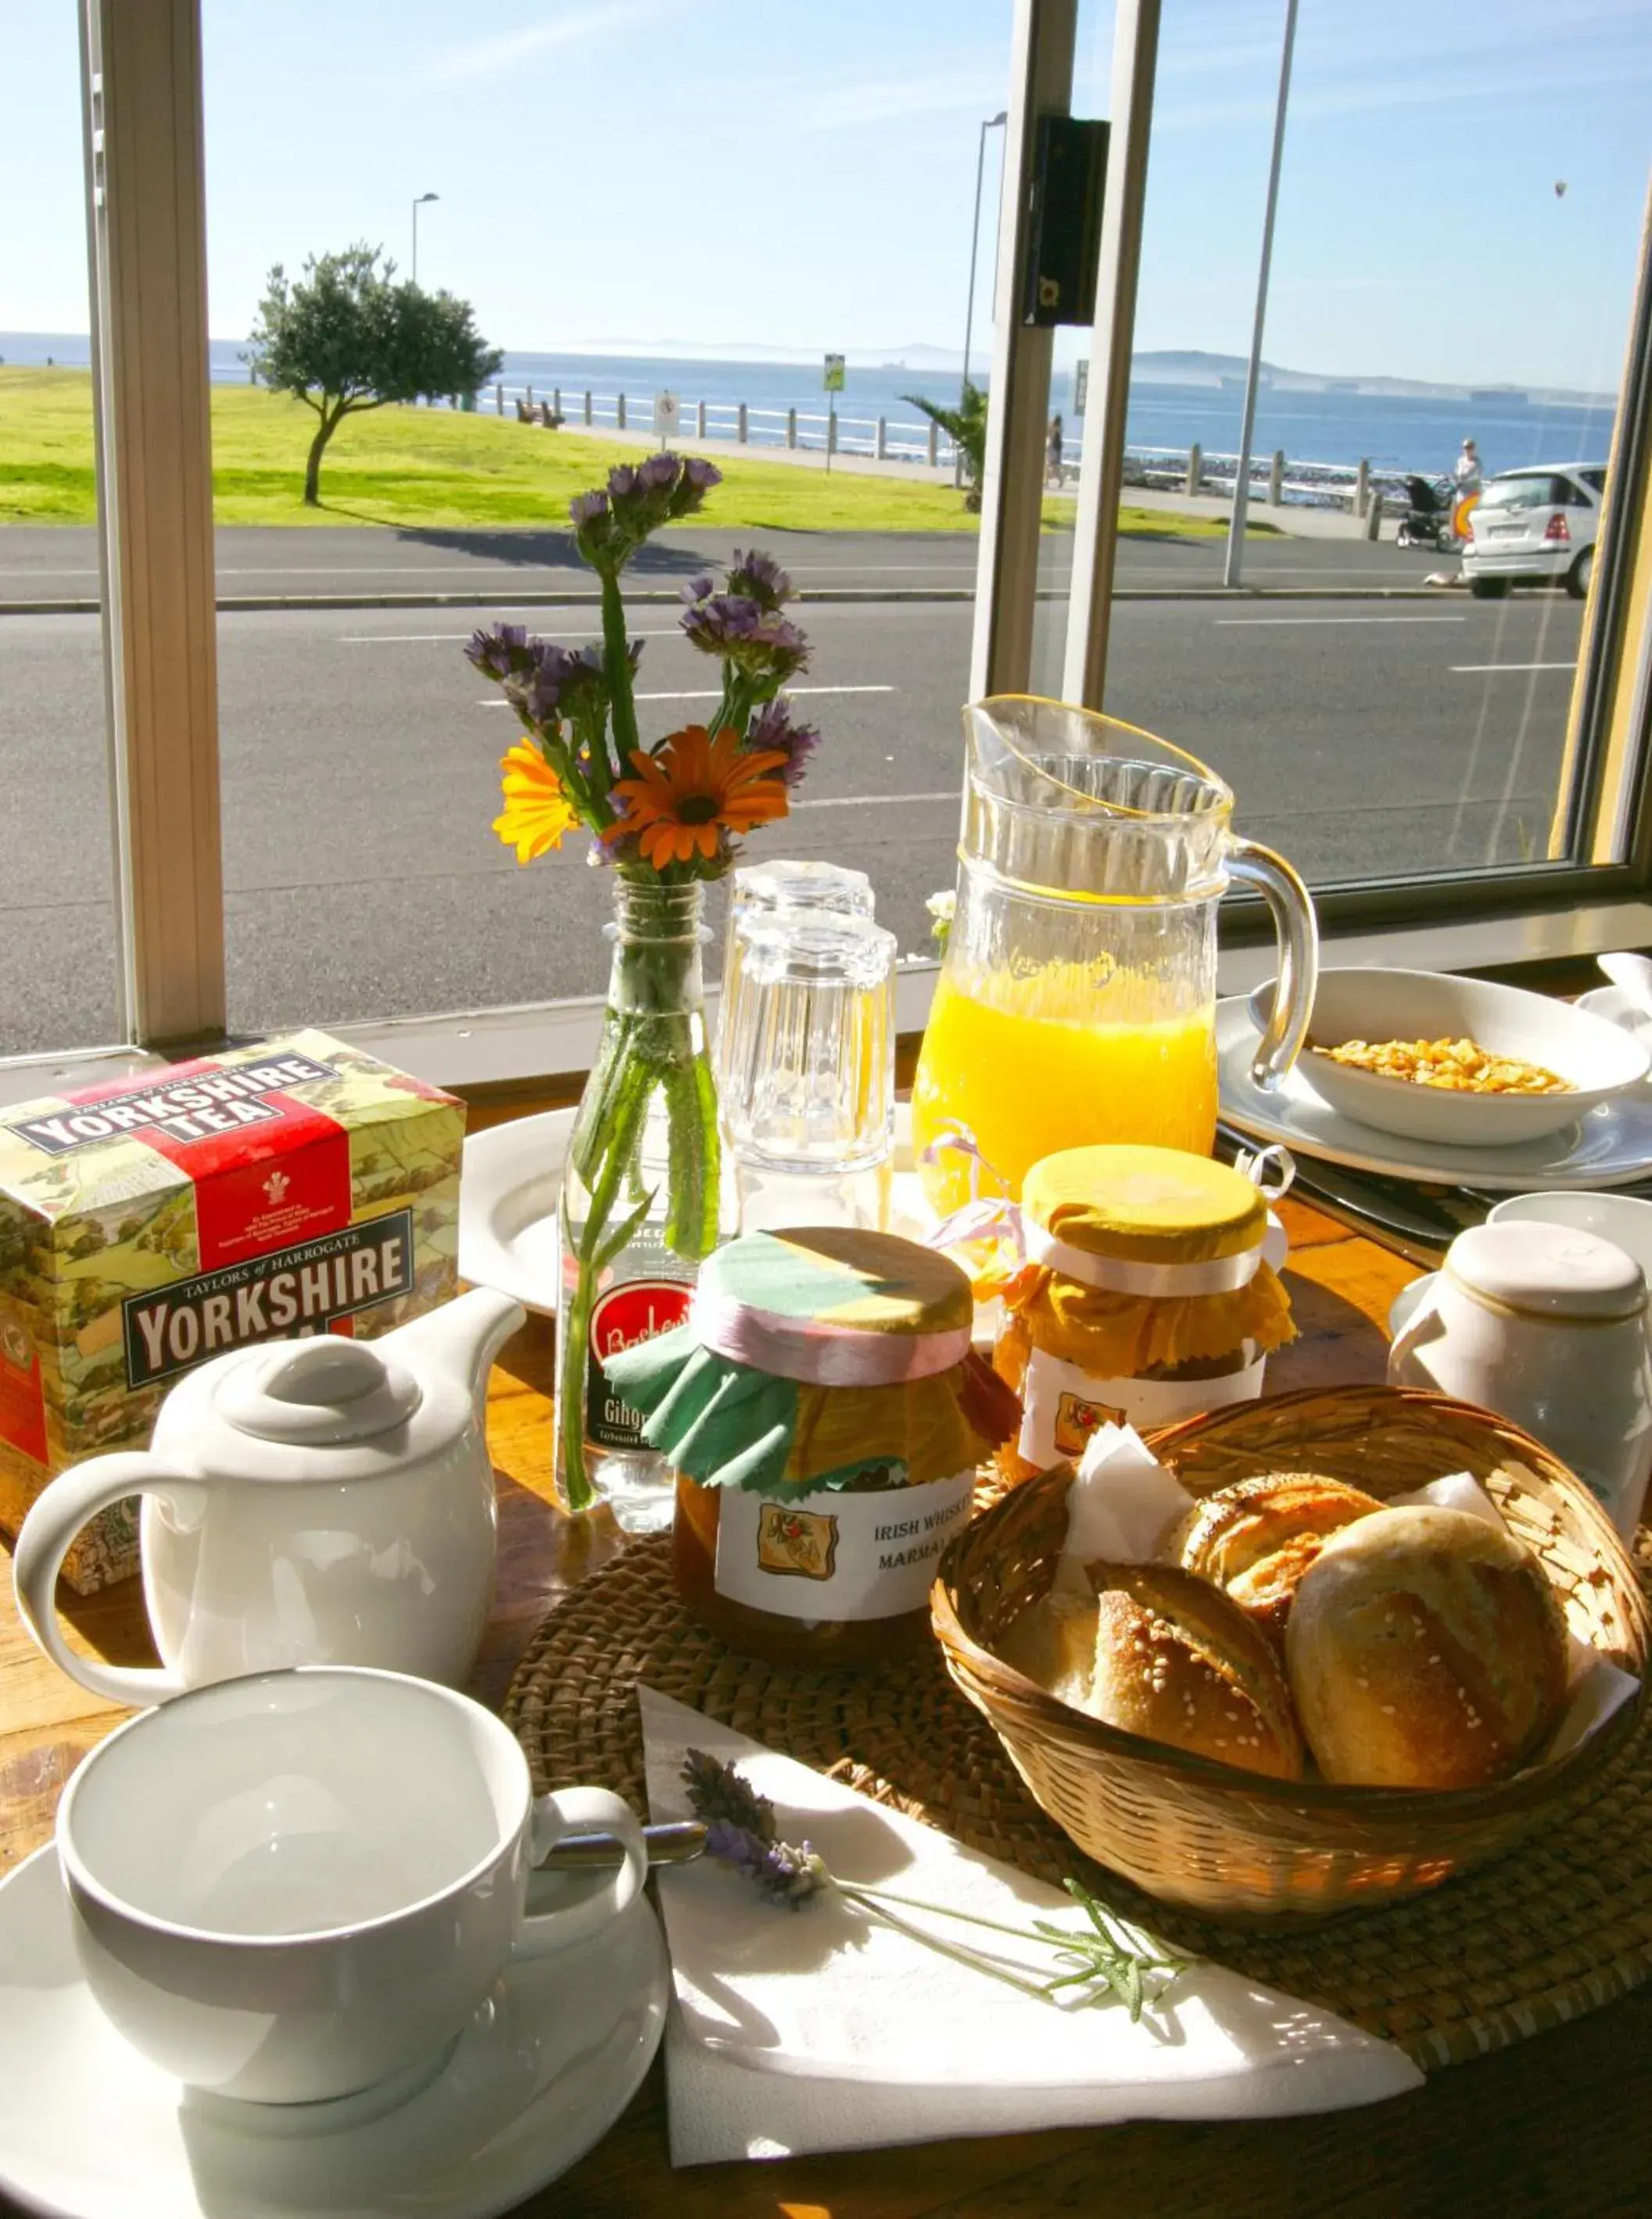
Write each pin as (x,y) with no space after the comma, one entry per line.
(874,1901)
(618,664)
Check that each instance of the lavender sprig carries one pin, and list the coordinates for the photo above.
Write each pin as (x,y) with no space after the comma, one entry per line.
(1116,1960)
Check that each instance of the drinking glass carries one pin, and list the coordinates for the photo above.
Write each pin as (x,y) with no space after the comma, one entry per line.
(808,1084)
(765,889)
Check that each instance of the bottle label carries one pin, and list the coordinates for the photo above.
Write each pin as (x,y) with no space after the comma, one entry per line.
(623,1317)
(1063,1404)
(828,1554)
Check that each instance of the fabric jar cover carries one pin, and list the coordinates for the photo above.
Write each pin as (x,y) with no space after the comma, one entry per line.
(811,1354)
(1138,1261)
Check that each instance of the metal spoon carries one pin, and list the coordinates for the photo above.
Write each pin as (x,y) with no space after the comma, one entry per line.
(679,1843)
(1632,975)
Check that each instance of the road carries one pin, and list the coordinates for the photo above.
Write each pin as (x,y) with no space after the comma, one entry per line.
(360,754)
(43,562)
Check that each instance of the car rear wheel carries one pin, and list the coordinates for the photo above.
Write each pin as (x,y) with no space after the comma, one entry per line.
(1578,577)
(1488,589)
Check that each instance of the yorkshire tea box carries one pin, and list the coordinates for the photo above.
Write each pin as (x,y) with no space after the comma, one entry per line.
(296,1187)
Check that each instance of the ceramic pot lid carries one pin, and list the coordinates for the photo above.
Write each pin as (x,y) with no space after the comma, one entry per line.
(1548,1270)
(322,1393)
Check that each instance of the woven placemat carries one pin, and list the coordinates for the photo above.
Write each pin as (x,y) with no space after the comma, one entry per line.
(1559,1926)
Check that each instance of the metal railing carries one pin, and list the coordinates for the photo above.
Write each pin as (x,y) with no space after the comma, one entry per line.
(881,439)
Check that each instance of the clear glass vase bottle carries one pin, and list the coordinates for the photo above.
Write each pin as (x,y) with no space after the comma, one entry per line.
(641,1202)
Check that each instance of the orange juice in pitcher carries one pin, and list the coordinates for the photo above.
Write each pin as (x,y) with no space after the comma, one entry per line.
(1077,997)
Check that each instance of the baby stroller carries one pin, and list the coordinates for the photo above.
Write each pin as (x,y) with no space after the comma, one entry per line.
(1427,521)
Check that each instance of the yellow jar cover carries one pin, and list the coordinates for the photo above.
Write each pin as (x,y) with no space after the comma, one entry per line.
(1115,1336)
(1145,1205)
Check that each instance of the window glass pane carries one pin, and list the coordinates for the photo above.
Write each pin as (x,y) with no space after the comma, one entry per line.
(360,750)
(56,921)
(1457,235)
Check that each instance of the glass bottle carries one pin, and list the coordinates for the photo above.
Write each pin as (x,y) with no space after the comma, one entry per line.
(641,1202)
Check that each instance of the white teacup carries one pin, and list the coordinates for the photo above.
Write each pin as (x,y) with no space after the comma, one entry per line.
(291,1887)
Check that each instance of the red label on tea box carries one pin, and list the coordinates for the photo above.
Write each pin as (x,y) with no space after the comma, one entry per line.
(22,1396)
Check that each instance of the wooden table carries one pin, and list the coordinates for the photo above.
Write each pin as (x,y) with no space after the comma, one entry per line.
(1558,2125)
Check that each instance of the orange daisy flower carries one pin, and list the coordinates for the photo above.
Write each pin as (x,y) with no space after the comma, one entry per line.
(695,788)
(536,812)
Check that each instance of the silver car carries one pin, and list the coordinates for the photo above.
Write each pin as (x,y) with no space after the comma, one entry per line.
(1539,524)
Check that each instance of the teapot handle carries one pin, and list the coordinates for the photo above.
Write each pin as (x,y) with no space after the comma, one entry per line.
(1298,933)
(73,1497)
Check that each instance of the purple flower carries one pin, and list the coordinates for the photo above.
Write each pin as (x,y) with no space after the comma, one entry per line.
(501,653)
(781,1874)
(759,578)
(587,507)
(658,473)
(701,474)
(772,729)
(722,1790)
(698,589)
(759,642)
(622,481)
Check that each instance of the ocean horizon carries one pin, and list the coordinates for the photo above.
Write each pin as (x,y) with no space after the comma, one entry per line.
(1331,426)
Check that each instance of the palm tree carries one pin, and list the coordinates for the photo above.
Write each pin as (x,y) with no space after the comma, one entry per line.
(967,426)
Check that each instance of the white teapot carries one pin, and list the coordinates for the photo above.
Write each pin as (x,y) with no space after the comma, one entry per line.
(316,1501)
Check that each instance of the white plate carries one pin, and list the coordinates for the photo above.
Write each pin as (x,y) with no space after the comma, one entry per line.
(512,1176)
(88,2129)
(1612,1004)
(1608,1146)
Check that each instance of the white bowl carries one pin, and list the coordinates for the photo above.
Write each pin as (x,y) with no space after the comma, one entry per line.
(1599,1058)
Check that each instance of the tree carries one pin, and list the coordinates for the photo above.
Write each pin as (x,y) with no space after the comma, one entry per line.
(966,426)
(343,338)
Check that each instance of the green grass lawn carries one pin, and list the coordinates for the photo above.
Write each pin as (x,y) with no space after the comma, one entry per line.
(427,466)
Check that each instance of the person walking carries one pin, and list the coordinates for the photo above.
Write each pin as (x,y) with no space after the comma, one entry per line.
(1467,476)
(1056,443)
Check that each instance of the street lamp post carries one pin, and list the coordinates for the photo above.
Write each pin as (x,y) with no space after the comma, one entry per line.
(417,205)
(989,123)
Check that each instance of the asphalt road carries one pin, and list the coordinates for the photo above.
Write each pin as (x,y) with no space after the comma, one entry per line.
(42,563)
(360,754)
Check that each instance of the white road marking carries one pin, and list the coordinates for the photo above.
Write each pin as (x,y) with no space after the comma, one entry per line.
(1222,622)
(1466,670)
(875,801)
(716,694)
(422,638)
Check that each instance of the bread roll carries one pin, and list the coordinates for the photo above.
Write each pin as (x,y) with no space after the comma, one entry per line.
(1426,1649)
(1176,1662)
(1053,1643)
(1256,1540)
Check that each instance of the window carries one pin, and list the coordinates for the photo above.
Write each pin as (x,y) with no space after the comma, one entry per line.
(304,793)
(58,952)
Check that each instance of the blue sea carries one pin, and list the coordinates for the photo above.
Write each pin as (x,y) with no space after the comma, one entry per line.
(1333,427)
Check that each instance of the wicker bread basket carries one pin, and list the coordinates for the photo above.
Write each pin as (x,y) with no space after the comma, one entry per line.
(1238,1844)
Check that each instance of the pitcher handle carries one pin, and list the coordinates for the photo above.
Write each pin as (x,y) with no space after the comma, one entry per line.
(1298,933)
(43,1542)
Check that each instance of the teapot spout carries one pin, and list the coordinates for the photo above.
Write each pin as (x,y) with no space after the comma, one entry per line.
(462,1339)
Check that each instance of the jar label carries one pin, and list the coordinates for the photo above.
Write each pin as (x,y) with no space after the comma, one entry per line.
(628,1314)
(827,1555)
(1063,1404)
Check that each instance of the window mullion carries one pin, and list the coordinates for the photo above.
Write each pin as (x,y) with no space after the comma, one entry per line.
(148,218)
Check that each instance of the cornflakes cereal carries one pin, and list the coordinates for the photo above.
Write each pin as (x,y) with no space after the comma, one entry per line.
(1456,1066)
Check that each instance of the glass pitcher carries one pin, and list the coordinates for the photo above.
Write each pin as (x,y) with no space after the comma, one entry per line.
(1077,996)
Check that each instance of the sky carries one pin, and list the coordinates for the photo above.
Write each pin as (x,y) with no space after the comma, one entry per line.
(800,174)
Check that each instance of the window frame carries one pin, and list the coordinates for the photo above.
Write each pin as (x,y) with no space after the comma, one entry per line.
(146,220)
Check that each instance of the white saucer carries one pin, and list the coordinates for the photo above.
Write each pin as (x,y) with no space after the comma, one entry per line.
(508,1192)
(88,2129)
(1609,1145)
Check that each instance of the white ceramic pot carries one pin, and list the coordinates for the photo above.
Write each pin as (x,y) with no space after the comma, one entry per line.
(1547,1326)
(318,1501)
(293,1886)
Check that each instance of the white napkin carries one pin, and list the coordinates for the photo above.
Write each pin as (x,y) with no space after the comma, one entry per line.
(821,2028)
(1120,1506)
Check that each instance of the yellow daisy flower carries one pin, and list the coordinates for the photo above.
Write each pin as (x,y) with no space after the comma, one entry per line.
(536,812)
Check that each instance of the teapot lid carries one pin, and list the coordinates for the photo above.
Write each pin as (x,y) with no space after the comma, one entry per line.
(322,1393)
